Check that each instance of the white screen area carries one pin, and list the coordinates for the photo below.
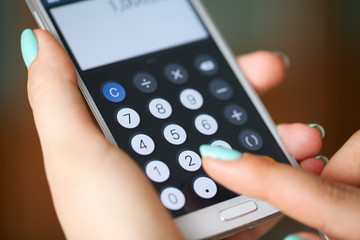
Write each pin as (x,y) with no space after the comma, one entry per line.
(100,32)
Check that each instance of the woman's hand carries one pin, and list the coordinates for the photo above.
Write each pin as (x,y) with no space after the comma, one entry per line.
(98,190)
(329,202)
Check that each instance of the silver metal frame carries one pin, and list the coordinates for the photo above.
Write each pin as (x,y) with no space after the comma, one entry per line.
(204,223)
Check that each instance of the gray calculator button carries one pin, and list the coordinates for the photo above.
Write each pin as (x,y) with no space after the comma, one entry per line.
(235,114)
(176,73)
(251,140)
(221,89)
(207,65)
(145,82)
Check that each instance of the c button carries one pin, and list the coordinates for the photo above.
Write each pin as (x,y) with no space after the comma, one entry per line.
(114,92)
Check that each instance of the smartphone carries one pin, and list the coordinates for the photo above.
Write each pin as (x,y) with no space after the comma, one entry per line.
(161,81)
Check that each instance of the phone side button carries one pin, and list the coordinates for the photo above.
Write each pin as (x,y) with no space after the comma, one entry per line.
(238,210)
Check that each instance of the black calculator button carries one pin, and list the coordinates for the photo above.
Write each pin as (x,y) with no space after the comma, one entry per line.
(191,99)
(128,118)
(176,73)
(221,89)
(206,124)
(205,187)
(145,82)
(190,160)
(235,114)
(157,171)
(160,108)
(206,65)
(172,198)
(142,144)
(251,140)
(221,143)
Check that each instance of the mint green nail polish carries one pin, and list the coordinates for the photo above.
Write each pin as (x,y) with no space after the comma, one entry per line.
(319,127)
(293,237)
(29,47)
(285,58)
(219,153)
(323,158)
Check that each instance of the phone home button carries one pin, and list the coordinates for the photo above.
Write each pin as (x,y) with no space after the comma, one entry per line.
(238,210)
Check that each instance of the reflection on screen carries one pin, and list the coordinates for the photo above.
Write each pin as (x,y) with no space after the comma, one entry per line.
(100,32)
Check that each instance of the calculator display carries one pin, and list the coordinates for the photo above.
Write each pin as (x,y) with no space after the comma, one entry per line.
(163,88)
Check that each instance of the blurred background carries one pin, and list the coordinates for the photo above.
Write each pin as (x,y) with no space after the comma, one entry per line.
(322,39)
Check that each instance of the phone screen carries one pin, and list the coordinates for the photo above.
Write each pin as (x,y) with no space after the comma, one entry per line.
(163,88)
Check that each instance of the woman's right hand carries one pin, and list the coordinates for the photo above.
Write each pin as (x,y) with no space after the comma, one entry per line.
(329,202)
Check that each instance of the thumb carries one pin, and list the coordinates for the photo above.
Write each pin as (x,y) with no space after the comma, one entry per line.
(58,106)
(319,203)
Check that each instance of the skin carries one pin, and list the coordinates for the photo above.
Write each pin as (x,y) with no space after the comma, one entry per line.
(100,193)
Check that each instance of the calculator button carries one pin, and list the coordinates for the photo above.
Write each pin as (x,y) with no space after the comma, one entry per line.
(128,118)
(145,82)
(175,134)
(191,99)
(207,65)
(172,198)
(251,140)
(176,73)
(221,89)
(206,124)
(160,108)
(189,160)
(204,187)
(221,143)
(142,144)
(114,92)
(157,171)
(235,114)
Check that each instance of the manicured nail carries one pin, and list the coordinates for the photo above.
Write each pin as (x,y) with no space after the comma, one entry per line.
(29,47)
(285,58)
(293,237)
(323,158)
(220,153)
(319,127)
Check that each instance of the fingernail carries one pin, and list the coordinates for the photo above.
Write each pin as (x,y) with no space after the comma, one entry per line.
(293,237)
(319,127)
(29,47)
(285,58)
(220,153)
(323,158)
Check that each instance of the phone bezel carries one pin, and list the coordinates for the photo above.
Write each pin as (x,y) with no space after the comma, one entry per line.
(214,227)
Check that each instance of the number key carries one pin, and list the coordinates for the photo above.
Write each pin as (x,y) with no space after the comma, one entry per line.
(206,124)
(160,108)
(172,198)
(189,160)
(142,144)
(157,171)
(175,134)
(191,99)
(128,118)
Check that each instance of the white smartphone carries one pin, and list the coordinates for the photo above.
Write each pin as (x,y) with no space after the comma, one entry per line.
(161,82)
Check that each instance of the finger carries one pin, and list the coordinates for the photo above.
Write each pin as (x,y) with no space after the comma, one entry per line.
(313,165)
(58,106)
(303,236)
(264,70)
(324,205)
(344,166)
(301,140)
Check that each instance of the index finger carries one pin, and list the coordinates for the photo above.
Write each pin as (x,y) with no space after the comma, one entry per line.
(314,201)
